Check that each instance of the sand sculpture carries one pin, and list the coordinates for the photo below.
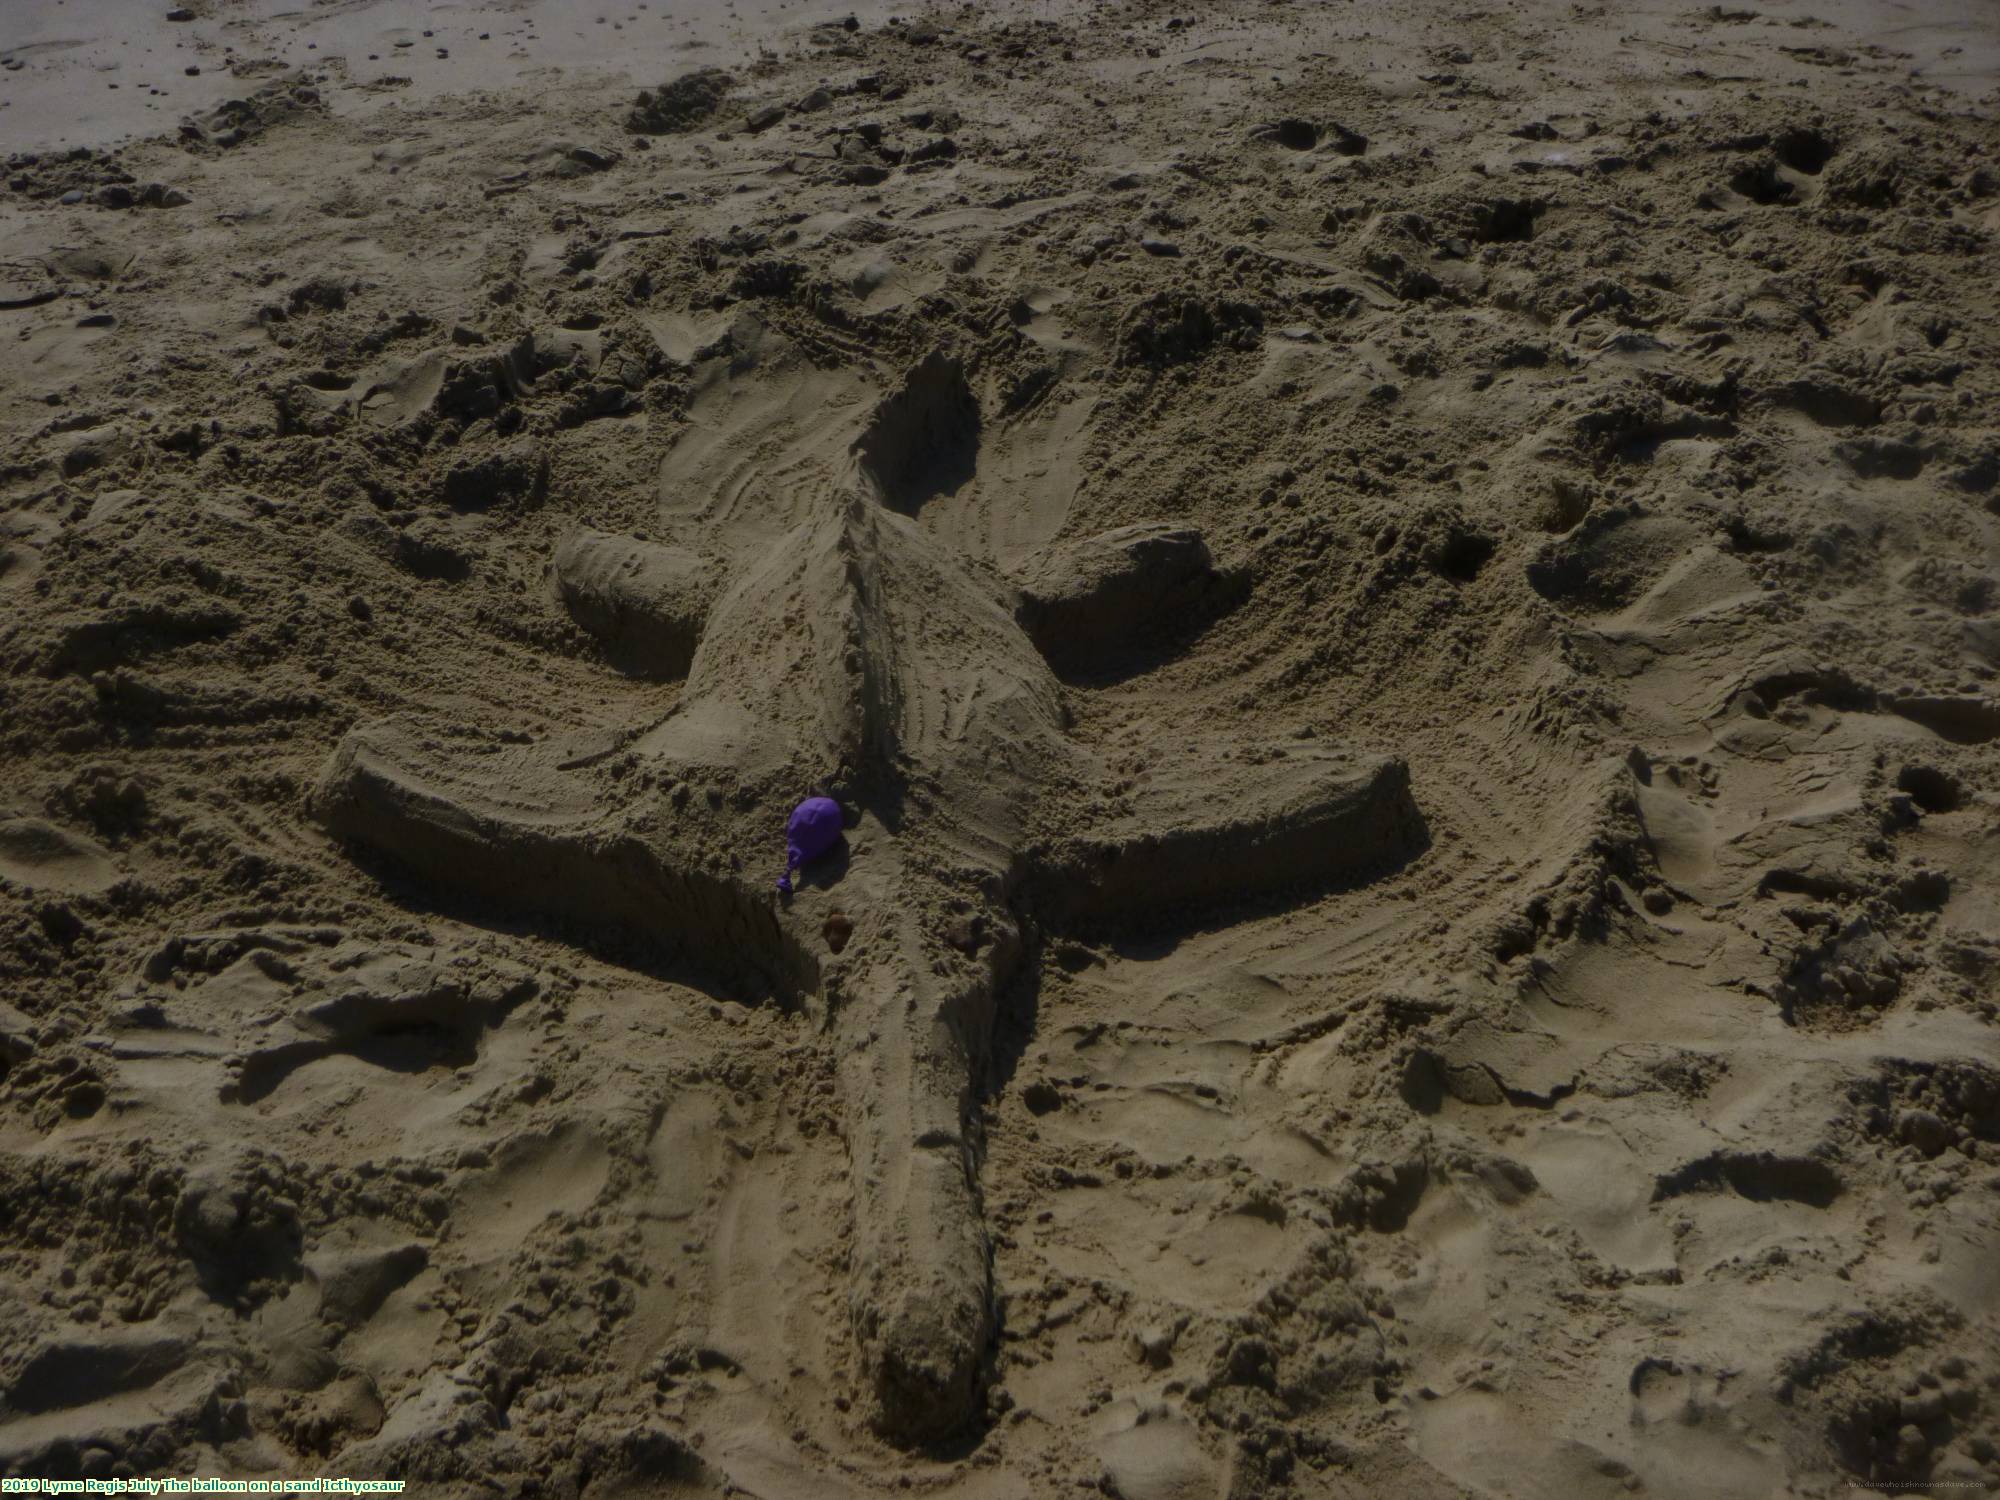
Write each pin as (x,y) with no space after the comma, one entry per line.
(840,649)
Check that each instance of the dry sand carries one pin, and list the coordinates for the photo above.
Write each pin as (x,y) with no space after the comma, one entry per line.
(1404,605)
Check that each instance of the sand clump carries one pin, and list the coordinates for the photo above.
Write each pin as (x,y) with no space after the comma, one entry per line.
(681,104)
(1401,611)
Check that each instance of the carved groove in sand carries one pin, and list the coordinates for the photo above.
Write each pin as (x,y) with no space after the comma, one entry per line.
(832,642)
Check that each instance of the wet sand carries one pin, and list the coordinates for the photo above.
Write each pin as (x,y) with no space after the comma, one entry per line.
(1401,605)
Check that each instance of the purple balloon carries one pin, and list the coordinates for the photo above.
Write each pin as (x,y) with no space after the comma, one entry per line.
(814,828)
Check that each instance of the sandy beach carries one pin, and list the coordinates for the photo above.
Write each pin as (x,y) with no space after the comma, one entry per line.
(1401,606)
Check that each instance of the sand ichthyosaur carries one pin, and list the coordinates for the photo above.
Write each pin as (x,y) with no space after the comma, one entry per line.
(841,647)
